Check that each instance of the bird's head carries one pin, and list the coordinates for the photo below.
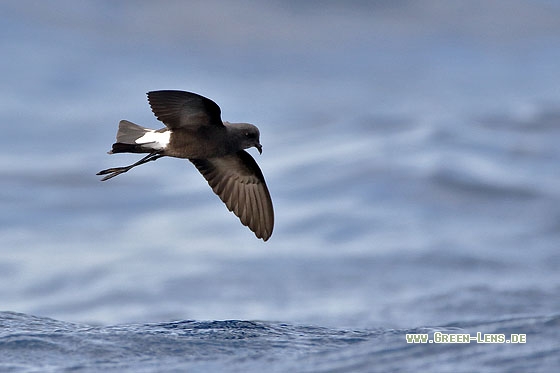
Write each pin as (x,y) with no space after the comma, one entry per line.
(248,136)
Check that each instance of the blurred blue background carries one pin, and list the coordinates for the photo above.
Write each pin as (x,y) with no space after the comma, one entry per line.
(410,147)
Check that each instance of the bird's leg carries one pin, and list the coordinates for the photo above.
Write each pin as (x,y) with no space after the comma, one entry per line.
(112,172)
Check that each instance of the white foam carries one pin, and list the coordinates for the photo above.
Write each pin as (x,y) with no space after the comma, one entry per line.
(157,140)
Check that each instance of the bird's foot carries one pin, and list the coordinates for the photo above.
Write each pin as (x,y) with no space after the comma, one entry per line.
(112,172)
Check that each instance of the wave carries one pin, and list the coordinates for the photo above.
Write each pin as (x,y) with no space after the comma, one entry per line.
(31,343)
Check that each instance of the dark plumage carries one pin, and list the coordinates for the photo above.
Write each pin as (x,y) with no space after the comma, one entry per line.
(194,130)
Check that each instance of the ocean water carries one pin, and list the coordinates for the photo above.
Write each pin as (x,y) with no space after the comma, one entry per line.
(234,345)
(411,150)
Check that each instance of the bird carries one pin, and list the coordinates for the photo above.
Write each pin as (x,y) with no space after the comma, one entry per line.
(194,130)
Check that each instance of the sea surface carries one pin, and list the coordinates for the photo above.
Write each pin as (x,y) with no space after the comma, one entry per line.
(411,150)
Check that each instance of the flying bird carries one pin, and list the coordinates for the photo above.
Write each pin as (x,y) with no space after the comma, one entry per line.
(194,130)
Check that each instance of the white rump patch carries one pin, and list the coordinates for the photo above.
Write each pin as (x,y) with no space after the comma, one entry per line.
(155,140)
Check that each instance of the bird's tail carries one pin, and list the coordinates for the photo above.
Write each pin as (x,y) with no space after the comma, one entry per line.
(127,135)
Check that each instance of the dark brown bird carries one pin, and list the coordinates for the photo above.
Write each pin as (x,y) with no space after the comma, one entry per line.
(195,131)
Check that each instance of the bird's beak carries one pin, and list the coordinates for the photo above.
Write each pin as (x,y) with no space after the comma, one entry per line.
(259,148)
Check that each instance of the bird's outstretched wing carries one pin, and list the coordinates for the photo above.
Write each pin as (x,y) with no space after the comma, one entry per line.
(179,109)
(240,184)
